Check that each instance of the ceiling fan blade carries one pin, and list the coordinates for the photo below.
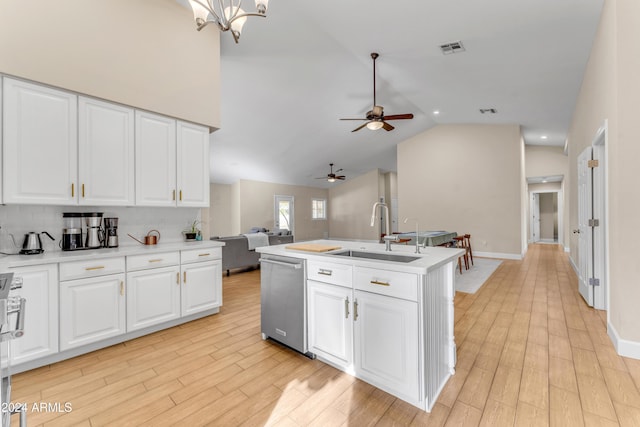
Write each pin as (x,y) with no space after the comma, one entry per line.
(354,119)
(386,126)
(339,170)
(359,127)
(340,177)
(399,117)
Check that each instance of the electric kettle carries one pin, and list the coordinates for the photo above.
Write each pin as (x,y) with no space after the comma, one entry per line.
(32,243)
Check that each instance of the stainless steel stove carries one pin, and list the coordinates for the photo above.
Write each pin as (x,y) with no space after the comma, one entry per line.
(12,311)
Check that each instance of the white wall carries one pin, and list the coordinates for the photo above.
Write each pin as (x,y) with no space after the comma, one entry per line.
(143,53)
(610,91)
(350,204)
(468,179)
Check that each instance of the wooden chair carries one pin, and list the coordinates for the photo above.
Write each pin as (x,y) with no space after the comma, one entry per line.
(460,245)
(467,243)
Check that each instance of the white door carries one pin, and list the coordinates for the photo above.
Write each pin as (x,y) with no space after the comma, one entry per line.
(584,232)
(40,289)
(284,213)
(155,160)
(105,153)
(153,296)
(201,286)
(535,217)
(386,343)
(330,315)
(193,165)
(40,144)
(91,310)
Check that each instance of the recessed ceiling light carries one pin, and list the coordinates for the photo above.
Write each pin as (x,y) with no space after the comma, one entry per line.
(544,137)
(544,181)
(436,112)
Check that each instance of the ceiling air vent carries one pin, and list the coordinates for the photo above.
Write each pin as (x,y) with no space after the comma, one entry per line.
(488,110)
(453,47)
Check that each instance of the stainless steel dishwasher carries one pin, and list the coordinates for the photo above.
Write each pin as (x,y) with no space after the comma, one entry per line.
(283,313)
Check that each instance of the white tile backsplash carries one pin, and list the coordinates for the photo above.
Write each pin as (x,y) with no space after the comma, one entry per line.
(137,221)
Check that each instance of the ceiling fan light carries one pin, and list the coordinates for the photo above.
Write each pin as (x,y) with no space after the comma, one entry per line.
(331,179)
(374,125)
(261,6)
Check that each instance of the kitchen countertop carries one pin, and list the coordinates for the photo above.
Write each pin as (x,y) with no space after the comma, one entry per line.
(52,257)
(429,258)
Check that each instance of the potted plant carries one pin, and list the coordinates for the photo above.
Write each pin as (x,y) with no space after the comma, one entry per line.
(192,232)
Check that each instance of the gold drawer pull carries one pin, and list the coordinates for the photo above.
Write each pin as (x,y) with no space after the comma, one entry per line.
(174,194)
(376,282)
(156,260)
(99,267)
(178,278)
(325,272)
(121,287)
(82,190)
(204,254)
(184,277)
(180,195)
(73,190)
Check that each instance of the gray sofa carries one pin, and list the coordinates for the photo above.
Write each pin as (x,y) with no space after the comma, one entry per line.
(236,253)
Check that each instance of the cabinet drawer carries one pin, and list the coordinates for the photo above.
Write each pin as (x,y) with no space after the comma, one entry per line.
(391,283)
(143,262)
(198,255)
(91,268)
(336,274)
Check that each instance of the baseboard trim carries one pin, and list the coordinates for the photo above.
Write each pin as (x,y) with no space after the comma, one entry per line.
(574,266)
(624,348)
(499,255)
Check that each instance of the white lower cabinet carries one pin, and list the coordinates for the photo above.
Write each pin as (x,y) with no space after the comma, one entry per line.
(91,310)
(40,289)
(153,296)
(369,333)
(201,286)
(386,343)
(330,331)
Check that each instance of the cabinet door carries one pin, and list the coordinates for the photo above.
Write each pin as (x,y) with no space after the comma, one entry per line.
(330,314)
(201,286)
(155,160)
(106,153)
(40,138)
(153,296)
(387,342)
(193,165)
(40,289)
(91,310)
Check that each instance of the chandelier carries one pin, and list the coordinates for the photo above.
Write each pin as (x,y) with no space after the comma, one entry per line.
(226,14)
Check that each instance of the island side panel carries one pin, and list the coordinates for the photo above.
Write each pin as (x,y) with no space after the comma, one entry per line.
(440,347)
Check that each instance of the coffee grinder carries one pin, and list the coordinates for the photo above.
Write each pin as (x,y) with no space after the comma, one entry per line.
(111,232)
(95,235)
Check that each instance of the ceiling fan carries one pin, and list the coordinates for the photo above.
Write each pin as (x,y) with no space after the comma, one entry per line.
(376,118)
(331,176)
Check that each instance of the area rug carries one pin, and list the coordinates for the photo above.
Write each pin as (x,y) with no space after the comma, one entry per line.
(470,280)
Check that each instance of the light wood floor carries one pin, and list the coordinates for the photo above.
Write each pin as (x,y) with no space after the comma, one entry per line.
(530,352)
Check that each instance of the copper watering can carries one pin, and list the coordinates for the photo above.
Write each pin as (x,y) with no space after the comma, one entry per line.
(149,239)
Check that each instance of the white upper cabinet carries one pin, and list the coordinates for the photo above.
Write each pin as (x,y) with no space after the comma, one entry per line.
(105,153)
(193,165)
(40,139)
(155,160)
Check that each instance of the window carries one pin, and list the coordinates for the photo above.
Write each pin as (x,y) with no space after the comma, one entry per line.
(318,209)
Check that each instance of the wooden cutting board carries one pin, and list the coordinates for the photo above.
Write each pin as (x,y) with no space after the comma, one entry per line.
(313,247)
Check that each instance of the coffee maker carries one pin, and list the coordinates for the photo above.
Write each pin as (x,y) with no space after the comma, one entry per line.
(111,232)
(72,231)
(95,234)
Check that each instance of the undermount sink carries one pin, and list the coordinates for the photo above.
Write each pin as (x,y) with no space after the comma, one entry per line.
(376,255)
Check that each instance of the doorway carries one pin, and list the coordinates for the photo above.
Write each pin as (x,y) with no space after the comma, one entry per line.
(546,213)
(284,213)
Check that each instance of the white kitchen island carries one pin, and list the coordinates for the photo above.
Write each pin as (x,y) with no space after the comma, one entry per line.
(389,321)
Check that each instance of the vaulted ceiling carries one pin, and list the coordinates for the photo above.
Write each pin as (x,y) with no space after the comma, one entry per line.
(296,73)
